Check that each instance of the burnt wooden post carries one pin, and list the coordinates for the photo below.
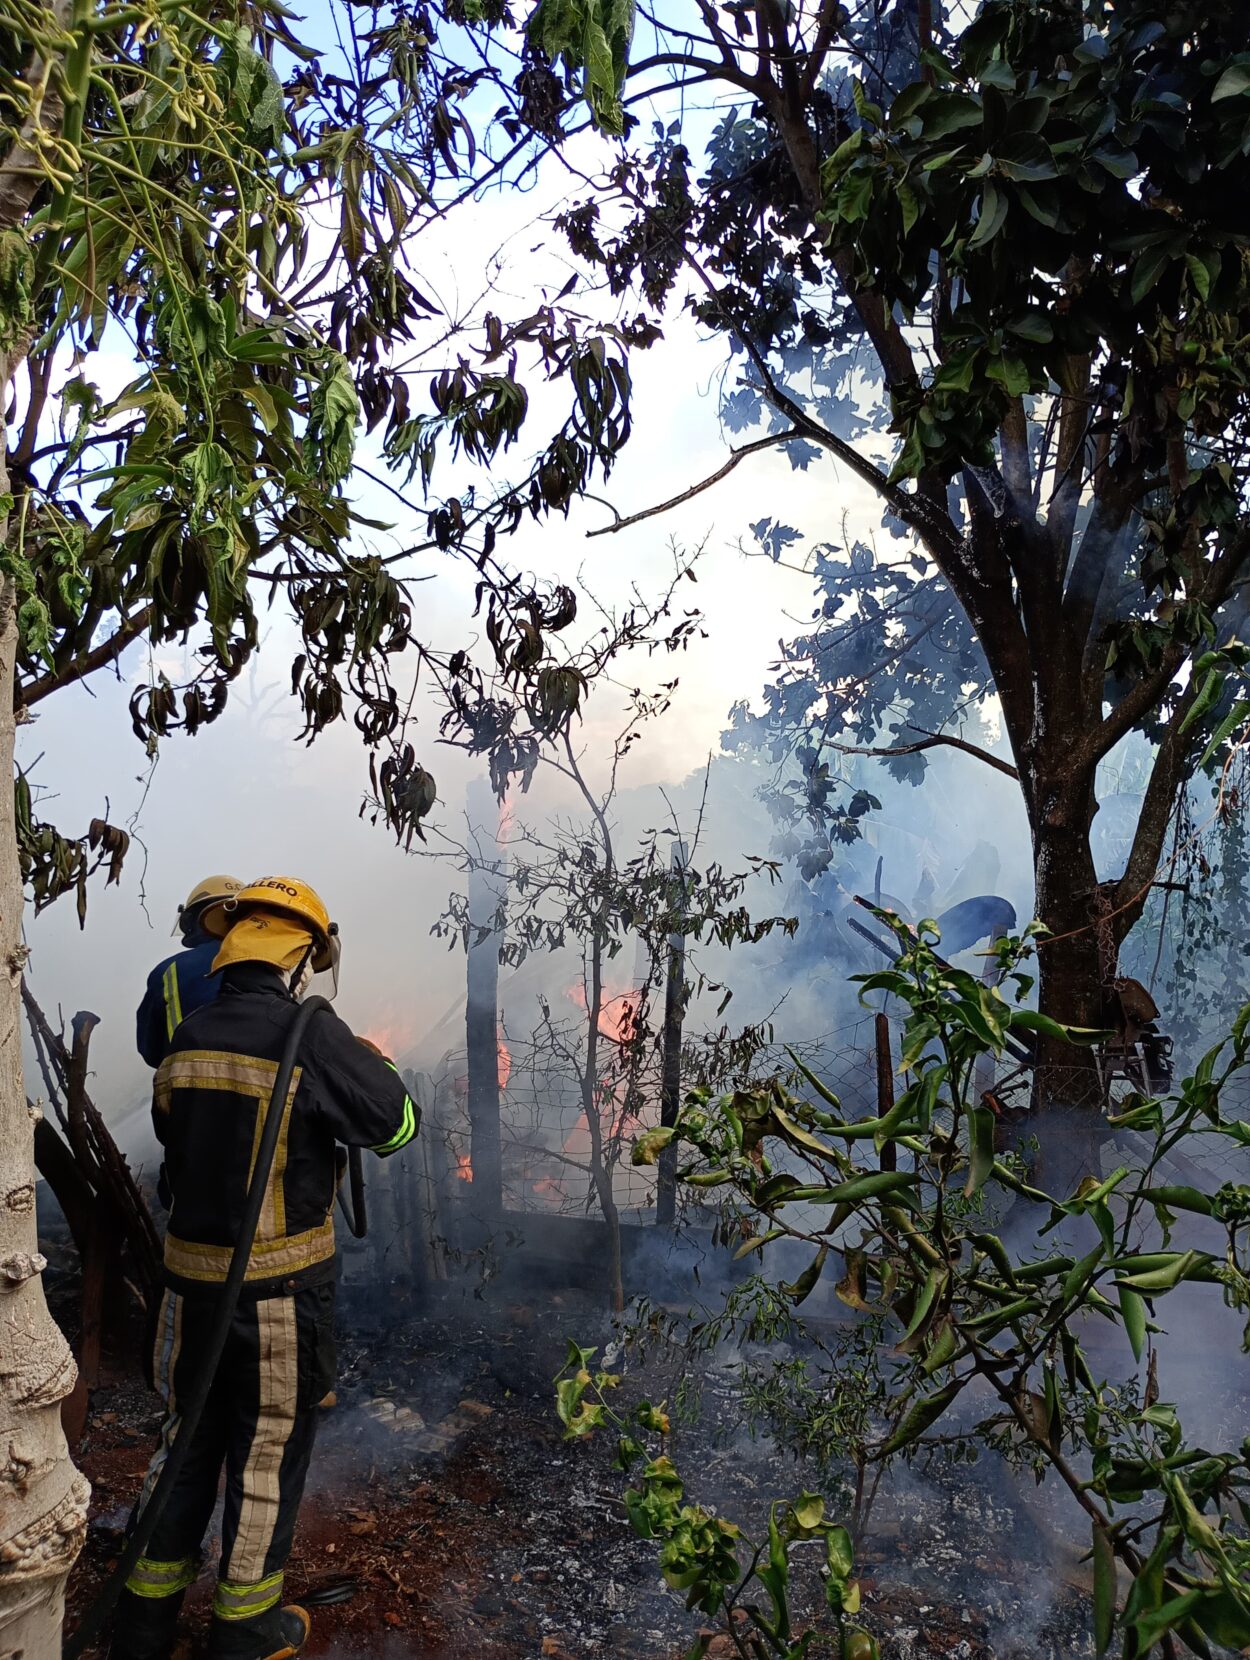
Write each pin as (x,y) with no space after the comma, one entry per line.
(674,1013)
(885,1086)
(482,1001)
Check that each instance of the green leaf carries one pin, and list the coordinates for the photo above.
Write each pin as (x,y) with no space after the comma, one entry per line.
(1078,1275)
(823,1090)
(948,112)
(1147,270)
(648,1147)
(796,1133)
(1209,693)
(994,205)
(871,1185)
(908,203)
(839,1552)
(920,1416)
(1158,1622)
(923,1308)
(1133,1312)
(1237,716)
(1180,1198)
(1199,276)
(981,1149)
(758,1243)
(1026,158)
(1225,1618)
(943,1347)
(1167,1277)
(1233,83)
(334,414)
(1104,1590)
(803,1287)
(986,1324)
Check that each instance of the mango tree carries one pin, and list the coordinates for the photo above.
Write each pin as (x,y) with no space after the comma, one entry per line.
(193,191)
(993,265)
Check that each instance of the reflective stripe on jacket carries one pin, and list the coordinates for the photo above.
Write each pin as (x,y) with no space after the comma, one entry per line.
(210,1097)
(176,988)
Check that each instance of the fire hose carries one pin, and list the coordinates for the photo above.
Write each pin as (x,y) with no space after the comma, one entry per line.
(95,1618)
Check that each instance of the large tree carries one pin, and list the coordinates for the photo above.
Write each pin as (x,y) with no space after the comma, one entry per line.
(194,190)
(1022,229)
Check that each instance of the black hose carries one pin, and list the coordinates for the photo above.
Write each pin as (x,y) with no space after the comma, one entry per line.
(94,1620)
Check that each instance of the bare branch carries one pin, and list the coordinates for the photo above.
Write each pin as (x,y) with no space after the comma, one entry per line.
(735,456)
(78,668)
(931,741)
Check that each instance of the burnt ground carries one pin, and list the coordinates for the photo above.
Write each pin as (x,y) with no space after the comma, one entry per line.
(447,1512)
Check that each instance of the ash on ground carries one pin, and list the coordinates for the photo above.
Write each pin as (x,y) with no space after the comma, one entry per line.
(446,1516)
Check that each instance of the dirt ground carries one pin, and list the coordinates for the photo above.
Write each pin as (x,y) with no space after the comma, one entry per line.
(446,1518)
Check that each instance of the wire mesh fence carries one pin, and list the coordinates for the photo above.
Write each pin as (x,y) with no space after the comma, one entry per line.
(567,1138)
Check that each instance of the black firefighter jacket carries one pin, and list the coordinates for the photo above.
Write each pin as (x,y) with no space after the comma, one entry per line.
(210,1097)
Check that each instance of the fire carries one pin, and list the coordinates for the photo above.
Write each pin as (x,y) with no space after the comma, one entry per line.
(618,1012)
(505,1064)
(464,1167)
(389,1037)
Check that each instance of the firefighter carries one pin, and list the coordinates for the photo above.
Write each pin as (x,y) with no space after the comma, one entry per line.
(211,1093)
(184,981)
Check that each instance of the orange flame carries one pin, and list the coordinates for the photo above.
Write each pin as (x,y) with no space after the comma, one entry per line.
(618,1012)
(388,1038)
(505,1064)
(464,1167)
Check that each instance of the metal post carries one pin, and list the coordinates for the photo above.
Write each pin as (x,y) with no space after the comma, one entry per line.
(482,1004)
(674,1013)
(885,1086)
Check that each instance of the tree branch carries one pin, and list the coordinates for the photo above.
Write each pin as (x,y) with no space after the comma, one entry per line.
(78,668)
(931,741)
(826,29)
(1168,769)
(735,456)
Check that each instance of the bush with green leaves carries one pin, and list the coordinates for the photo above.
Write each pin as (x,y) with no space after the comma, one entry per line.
(990,1344)
(717,1566)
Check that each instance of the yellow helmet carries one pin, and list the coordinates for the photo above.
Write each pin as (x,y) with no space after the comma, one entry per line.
(284,896)
(207,891)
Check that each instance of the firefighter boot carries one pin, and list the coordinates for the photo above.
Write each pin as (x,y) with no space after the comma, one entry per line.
(144,1627)
(278,1634)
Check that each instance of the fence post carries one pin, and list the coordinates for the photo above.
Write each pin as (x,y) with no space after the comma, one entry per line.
(674,1012)
(885,1086)
(486,897)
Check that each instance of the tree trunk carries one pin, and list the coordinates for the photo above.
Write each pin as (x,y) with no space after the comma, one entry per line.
(43,1498)
(486,895)
(1074,964)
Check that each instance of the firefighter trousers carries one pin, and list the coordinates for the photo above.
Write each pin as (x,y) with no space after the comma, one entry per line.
(259,1424)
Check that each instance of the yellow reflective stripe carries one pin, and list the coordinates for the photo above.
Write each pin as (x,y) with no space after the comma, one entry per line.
(404,1134)
(173,1002)
(221,1069)
(244,1602)
(154,1579)
(252,1078)
(269,1259)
